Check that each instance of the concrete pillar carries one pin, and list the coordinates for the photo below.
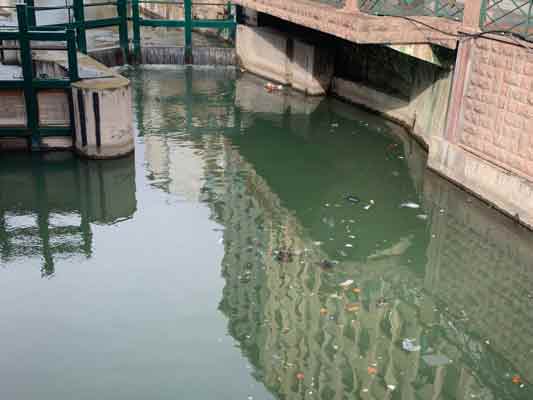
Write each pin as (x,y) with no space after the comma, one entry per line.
(311,68)
(263,51)
(103,117)
(274,55)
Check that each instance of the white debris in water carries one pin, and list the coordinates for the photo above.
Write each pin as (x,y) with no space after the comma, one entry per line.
(346,283)
(348,245)
(391,387)
(409,204)
(367,207)
(410,346)
(423,217)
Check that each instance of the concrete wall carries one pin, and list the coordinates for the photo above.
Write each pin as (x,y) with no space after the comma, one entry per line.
(279,57)
(408,90)
(488,143)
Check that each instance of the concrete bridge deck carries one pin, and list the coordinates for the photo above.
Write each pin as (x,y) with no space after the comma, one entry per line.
(358,27)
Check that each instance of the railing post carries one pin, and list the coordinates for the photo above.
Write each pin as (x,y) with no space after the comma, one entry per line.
(122,12)
(188,31)
(472,15)
(30,13)
(30,100)
(233,30)
(72,55)
(136,30)
(79,17)
(529,21)
(351,6)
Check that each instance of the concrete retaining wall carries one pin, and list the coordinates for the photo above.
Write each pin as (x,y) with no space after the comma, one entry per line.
(412,92)
(488,143)
(278,57)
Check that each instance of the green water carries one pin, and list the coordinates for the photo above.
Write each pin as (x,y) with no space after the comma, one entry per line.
(160,276)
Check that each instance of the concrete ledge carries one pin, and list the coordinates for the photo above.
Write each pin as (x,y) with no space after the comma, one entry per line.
(507,191)
(392,107)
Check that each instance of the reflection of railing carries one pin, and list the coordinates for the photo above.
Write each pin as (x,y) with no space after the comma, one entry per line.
(435,8)
(21,39)
(513,16)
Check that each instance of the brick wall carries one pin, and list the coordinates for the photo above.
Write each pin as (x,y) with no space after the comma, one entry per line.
(495,119)
(358,27)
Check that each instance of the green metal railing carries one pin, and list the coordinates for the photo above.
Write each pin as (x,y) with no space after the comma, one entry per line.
(72,37)
(125,8)
(29,83)
(435,8)
(188,22)
(512,16)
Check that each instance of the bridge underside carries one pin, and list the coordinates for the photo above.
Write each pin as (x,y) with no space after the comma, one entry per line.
(358,27)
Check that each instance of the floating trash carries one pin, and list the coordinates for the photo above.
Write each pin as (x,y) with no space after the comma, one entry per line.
(423,217)
(353,199)
(323,311)
(356,290)
(372,370)
(391,387)
(335,125)
(410,346)
(283,256)
(351,307)
(516,379)
(348,245)
(326,264)
(371,203)
(346,283)
(409,204)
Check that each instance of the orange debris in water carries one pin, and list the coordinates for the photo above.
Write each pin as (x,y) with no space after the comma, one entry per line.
(352,307)
(323,311)
(300,376)
(356,290)
(372,370)
(516,379)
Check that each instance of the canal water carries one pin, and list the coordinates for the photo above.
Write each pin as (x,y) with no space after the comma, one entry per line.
(259,245)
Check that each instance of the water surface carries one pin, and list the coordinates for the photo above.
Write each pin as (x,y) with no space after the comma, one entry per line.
(195,269)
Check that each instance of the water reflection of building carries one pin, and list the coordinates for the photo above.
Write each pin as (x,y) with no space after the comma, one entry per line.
(53,200)
(274,308)
(291,317)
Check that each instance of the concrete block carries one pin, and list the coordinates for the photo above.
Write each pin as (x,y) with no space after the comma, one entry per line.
(12,108)
(277,57)
(103,118)
(53,108)
(263,51)
(311,68)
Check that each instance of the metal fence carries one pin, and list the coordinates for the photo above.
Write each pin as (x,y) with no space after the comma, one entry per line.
(512,16)
(70,36)
(22,40)
(435,8)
